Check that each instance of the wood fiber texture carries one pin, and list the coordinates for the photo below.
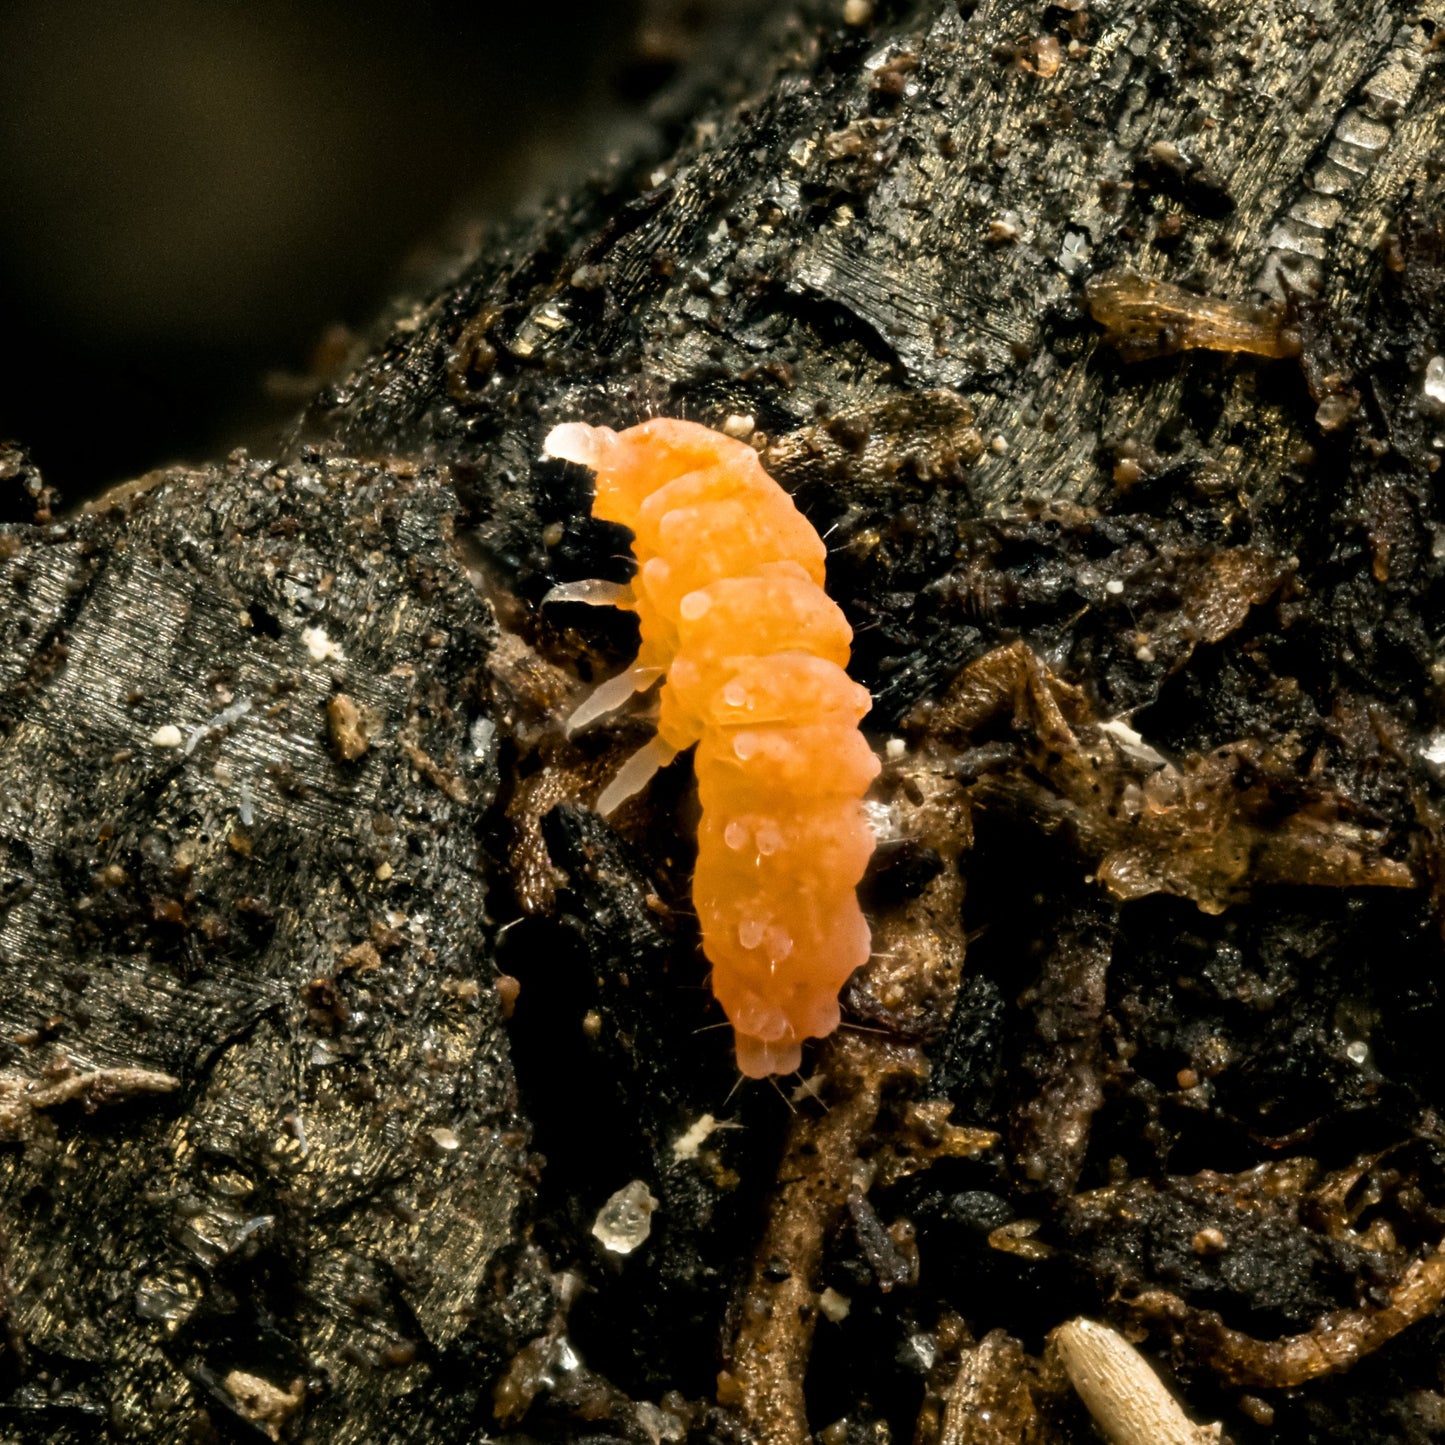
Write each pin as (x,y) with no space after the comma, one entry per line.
(336,1182)
(1154,645)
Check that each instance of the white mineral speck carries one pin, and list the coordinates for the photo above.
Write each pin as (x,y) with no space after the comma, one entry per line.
(1114,587)
(483,737)
(167,736)
(924,1349)
(894,749)
(1434,751)
(445,1139)
(739,425)
(625,1221)
(1074,253)
(834,1306)
(320,646)
(1357,1051)
(1435,381)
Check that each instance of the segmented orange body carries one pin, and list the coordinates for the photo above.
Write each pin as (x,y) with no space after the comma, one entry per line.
(729,594)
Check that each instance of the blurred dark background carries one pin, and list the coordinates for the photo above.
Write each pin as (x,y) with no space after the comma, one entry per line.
(198,198)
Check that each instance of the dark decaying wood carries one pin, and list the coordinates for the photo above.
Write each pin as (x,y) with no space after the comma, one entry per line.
(1104,346)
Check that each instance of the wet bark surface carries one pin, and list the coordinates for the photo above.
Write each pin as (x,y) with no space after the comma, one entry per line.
(333,1018)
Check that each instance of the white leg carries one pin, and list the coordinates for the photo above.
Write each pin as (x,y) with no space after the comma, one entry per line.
(606,697)
(635,774)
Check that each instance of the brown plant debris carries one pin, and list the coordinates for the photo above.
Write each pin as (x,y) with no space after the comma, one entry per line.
(1337,1342)
(266,1406)
(769,1355)
(348,727)
(1210,827)
(1064,1056)
(1305,1221)
(439,776)
(989,1401)
(930,437)
(1144,318)
(529,694)
(910,983)
(922,1137)
(21,1099)
(549,1366)
(535,877)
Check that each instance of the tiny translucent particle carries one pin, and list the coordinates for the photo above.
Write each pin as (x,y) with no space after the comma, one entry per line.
(662,1426)
(883,820)
(924,1349)
(1074,253)
(625,1221)
(1046,57)
(1435,380)
(1132,743)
